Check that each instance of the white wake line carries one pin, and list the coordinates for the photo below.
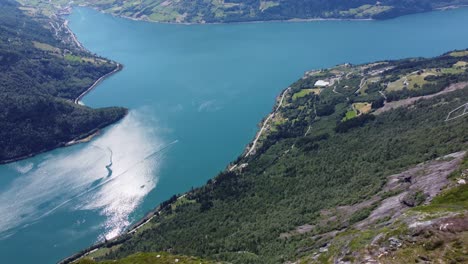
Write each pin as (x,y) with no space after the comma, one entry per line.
(93,188)
(109,180)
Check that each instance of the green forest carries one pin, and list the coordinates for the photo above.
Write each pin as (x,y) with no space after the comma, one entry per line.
(315,157)
(40,76)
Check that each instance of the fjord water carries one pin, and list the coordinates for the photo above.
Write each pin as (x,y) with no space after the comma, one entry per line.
(196,94)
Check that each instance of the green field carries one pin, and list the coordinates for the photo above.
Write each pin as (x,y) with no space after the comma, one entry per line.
(350,114)
(413,81)
(305,92)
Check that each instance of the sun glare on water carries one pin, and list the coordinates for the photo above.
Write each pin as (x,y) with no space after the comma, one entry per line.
(110,175)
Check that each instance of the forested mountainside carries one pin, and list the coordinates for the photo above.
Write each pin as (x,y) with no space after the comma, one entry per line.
(210,11)
(41,73)
(355,163)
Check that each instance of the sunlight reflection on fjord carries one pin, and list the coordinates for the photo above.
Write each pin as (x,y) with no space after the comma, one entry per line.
(110,175)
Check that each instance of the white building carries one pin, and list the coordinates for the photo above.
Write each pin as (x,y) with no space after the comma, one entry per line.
(322,83)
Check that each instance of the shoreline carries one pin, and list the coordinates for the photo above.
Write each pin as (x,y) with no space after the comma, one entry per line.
(450,7)
(119,239)
(250,149)
(289,20)
(83,138)
(86,137)
(118,68)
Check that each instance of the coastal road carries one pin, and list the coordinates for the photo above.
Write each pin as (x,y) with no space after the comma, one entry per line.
(77,100)
(254,144)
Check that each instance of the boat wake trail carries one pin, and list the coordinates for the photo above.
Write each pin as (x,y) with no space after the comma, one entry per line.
(108,167)
(100,183)
(155,153)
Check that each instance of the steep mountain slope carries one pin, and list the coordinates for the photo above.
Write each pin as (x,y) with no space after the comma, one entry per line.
(202,11)
(156,258)
(346,149)
(42,71)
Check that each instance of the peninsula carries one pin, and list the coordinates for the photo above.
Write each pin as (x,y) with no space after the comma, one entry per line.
(44,73)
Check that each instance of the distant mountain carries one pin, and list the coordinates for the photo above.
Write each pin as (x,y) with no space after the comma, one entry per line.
(42,72)
(210,11)
(356,164)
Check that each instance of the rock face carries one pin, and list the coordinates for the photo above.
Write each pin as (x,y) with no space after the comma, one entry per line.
(403,228)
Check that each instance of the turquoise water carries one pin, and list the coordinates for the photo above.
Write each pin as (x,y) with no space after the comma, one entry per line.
(196,94)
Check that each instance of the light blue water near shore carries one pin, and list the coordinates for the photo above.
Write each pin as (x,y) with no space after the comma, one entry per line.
(196,94)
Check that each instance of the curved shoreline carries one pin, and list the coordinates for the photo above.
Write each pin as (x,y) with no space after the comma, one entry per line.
(118,68)
(80,139)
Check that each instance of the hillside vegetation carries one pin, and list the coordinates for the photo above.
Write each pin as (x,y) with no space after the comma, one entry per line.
(353,153)
(150,258)
(40,76)
(209,11)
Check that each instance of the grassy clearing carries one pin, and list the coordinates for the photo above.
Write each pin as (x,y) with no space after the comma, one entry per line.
(361,240)
(350,114)
(459,53)
(305,92)
(365,11)
(74,58)
(45,47)
(455,199)
(453,70)
(165,15)
(181,201)
(363,108)
(101,252)
(411,81)
(264,5)
(460,64)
